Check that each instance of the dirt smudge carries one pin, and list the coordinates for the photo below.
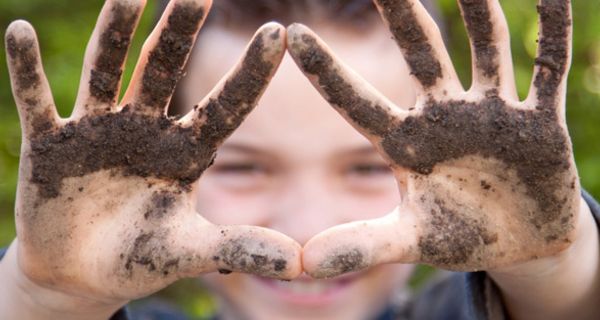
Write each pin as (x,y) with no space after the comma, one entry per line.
(553,53)
(411,38)
(529,141)
(238,255)
(452,239)
(165,62)
(25,60)
(130,143)
(479,25)
(113,46)
(161,204)
(365,113)
(223,114)
(342,261)
(150,253)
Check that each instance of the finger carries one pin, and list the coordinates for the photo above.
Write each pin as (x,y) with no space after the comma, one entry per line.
(204,247)
(490,46)
(357,101)
(29,84)
(105,56)
(164,56)
(421,43)
(228,104)
(362,244)
(553,57)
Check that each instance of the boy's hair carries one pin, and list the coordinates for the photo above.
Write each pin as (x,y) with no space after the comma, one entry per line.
(248,15)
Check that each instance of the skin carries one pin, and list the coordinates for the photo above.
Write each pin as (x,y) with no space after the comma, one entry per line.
(460,209)
(267,174)
(137,231)
(550,270)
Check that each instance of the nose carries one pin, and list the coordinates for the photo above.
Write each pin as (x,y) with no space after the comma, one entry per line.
(305,206)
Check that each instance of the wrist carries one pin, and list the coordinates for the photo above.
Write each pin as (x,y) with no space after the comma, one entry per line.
(22,298)
(566,284)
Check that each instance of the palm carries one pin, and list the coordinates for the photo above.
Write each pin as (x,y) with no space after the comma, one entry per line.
(486,180)
(105,203)
(481,170)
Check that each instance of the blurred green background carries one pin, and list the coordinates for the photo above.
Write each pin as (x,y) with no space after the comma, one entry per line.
(63,27)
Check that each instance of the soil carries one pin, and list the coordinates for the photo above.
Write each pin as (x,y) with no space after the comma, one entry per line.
(410,36)
(479,26)
(224,113)
(315,60)
(485,185)
(554,51)
(233,255)
(165,62)
(224,271)
(23,54)
(147,146)
(114,44)
(149,252)
(25,60)
(453,238)
(343,262)
(529,141)
(161,204)
(130,143)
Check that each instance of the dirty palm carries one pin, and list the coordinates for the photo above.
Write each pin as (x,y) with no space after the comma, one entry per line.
(486,180)
(113,184)
(483,175)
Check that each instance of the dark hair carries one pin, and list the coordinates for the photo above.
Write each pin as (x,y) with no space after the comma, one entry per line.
(251,14)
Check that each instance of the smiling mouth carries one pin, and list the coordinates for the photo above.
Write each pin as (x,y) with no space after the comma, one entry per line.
(306,291)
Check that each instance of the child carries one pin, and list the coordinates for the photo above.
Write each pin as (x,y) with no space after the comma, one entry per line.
(106,208)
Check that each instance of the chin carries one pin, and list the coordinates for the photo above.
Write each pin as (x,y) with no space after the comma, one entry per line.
(360,295)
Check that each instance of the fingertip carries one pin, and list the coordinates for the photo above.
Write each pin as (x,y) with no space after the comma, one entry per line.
(272,26)
(136,5)
(358,245)
(297,34)
(204,4)
(308,50)
(296,27)
(273,37)
(322,261)
(257,251)
(19,25)
(20,29)
(294,268)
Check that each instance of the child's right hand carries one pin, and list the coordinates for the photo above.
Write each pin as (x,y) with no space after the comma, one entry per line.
(105,207)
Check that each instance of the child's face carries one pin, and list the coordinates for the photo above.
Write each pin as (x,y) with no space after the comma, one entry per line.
(297,167)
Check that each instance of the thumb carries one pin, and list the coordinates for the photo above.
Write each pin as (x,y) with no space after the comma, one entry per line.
(361,244)
(247,249)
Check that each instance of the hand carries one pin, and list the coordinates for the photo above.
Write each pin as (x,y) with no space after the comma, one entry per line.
(105,206)
(486,180)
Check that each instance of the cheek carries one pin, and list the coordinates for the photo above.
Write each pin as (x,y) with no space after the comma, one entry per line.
(360,206)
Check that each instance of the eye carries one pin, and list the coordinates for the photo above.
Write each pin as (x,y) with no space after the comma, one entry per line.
(368,176)
(248,175)
(239,167)
(369,169)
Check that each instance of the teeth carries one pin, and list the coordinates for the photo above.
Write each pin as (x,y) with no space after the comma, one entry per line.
(304,287)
